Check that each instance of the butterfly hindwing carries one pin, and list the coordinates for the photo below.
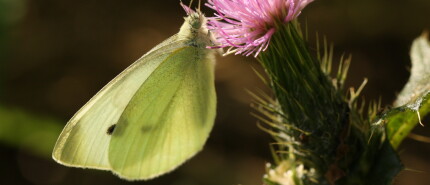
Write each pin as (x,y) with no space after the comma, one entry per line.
(169,118)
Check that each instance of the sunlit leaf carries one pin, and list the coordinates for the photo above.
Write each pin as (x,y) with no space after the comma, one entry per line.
(401,120)
(413,102)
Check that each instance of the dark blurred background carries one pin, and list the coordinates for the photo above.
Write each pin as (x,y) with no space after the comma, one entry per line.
(56,54)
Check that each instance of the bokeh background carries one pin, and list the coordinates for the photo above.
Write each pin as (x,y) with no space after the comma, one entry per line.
(56,54)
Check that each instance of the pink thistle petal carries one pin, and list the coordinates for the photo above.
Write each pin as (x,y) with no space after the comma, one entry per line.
(246,26)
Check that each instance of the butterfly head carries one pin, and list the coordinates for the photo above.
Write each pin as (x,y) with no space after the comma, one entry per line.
(195,19)
(194,28)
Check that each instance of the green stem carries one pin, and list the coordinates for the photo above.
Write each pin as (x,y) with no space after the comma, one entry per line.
(306,96)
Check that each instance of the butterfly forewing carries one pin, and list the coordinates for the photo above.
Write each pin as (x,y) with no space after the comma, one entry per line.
(85,140)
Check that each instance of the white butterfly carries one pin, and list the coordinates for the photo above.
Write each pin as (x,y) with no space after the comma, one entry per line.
(153,116)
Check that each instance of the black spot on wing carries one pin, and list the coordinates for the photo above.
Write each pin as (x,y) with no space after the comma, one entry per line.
(120,128)
(149,128)
(111,129)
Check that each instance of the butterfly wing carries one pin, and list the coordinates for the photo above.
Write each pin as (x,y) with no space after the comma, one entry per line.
(84,141)
(169,118)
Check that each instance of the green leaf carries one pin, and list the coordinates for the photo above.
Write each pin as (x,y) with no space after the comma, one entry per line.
(401,120)
(413,101)
(33,133)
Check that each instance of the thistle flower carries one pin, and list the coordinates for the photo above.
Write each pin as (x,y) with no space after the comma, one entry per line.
(246,26)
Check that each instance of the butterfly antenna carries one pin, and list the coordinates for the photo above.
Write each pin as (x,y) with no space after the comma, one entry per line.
(199,5)
(200,2)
